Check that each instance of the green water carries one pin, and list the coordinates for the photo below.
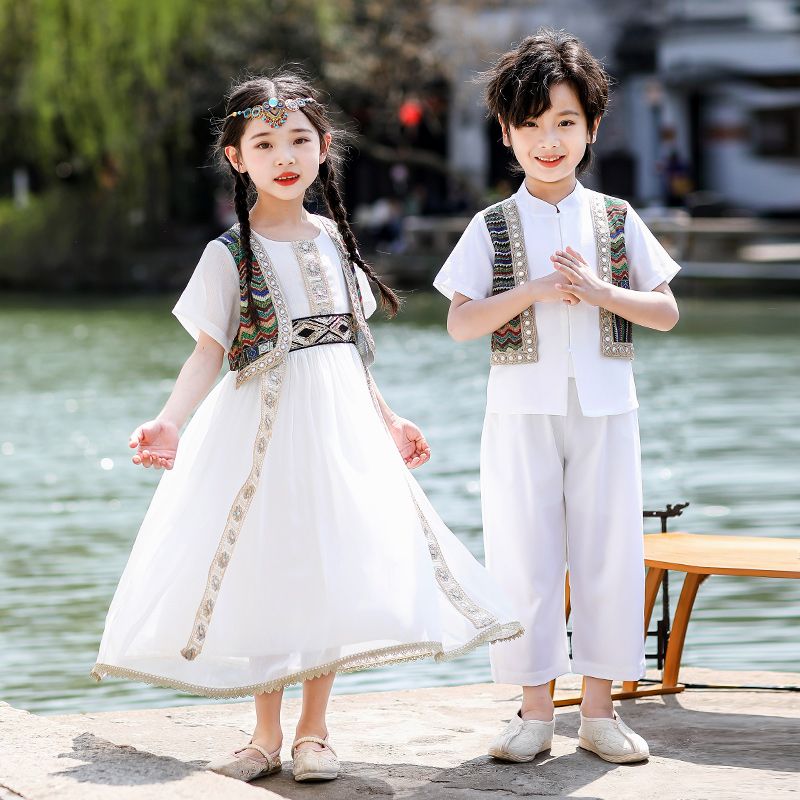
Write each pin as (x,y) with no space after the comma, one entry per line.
(719,419)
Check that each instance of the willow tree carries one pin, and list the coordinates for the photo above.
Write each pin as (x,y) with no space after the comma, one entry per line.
(99,86)
(114,93)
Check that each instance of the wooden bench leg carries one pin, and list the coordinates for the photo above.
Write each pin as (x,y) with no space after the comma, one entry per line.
(677,636)
(567,600)
(651,586)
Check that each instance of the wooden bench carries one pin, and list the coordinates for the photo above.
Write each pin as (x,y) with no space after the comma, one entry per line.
(698,556)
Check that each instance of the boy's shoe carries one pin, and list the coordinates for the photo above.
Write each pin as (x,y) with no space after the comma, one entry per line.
(612,740)
(523,739)
(246,768)
(314,765)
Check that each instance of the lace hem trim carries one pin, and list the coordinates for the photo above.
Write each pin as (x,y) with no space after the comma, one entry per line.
(373,658)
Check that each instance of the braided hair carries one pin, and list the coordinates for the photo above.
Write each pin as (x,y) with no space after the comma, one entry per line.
(241,184)
(289,85)
(333,200)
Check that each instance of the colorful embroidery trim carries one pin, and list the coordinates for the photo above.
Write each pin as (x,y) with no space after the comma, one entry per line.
(608,219)
(515,342)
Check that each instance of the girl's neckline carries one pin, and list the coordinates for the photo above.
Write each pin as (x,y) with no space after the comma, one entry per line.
(294,241)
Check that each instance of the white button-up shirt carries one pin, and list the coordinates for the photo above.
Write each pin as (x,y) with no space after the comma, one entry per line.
(569,336)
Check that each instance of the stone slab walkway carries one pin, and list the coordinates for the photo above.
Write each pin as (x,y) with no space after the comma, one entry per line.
(423,744)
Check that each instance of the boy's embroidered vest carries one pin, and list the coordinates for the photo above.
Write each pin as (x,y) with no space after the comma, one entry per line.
(516,342)
(264,336)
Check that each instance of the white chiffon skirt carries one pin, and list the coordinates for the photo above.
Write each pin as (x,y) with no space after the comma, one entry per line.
(340,563)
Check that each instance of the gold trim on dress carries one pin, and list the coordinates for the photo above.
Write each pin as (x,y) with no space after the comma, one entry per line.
(269,390)
(318,291)
(451,588)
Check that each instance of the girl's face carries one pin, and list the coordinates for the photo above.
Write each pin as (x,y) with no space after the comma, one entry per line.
(550,147)
(282,162)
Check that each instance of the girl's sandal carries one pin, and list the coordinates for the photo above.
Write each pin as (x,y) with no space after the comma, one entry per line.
(247,768)
(314,765)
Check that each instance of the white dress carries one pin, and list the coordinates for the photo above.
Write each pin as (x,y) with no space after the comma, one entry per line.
(340,563)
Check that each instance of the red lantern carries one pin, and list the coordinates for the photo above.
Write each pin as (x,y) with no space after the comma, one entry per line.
(410,113)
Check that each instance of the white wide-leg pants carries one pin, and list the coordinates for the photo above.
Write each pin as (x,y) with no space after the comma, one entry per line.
(564,493)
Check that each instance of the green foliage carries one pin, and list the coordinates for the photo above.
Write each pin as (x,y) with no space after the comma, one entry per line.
(117,96)
(52,243)
(97,82)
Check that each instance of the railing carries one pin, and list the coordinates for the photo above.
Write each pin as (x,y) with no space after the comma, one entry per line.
(732,247)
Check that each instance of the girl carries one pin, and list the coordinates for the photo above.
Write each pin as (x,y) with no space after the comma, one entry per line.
(288,541)
(557,273)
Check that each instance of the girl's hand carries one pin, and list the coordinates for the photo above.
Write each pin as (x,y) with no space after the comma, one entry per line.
(548,290)
(156,443)
(578,280)
(410,442)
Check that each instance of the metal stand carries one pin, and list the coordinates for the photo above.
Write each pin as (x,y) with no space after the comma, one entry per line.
(662,626)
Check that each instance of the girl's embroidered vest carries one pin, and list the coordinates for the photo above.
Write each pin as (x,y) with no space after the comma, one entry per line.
(264,336)
(516,341)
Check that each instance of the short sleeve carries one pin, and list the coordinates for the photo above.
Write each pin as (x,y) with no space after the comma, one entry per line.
(649,264)
(366,293)
(210,301)
(468,269)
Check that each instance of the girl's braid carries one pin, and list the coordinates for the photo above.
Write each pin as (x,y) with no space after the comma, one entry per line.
(333,199)
(241,183)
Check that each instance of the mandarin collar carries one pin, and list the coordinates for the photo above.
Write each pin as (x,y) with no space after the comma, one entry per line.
(534,206)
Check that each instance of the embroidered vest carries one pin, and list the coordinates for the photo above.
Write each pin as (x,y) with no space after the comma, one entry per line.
(265,332)
(516,342)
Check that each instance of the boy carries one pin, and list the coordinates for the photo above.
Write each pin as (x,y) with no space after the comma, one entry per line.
(557,274)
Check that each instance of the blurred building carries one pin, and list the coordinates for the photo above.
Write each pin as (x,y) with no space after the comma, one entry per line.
(706,107)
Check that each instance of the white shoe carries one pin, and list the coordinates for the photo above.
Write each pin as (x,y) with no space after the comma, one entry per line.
(246,768)
(612,740)
(314,765)
(523,739)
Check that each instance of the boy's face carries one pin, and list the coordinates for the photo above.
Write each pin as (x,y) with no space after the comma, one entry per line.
(282,162)
(550,147)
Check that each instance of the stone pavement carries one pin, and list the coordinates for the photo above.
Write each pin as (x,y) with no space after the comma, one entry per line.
(423,744)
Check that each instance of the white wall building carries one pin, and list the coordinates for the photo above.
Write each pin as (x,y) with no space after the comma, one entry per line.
(717,82)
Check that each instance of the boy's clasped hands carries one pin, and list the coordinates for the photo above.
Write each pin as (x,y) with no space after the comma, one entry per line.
(582,283)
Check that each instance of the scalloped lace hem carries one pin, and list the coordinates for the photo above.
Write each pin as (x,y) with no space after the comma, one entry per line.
(396,654)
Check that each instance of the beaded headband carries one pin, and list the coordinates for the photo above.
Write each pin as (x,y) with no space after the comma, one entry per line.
(273,112)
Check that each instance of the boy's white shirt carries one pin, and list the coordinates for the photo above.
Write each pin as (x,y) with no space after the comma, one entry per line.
(569,336)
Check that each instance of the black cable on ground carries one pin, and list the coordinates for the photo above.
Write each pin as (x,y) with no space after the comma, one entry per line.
(728,687)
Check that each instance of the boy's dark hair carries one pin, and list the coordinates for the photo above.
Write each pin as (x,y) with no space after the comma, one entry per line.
(518,85)
(290,85)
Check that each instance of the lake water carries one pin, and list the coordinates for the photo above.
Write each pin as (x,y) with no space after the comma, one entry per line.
(719,419)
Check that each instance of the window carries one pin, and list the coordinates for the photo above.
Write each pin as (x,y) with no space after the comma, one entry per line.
(776,132)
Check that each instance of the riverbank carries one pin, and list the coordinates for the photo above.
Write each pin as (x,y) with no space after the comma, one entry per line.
(424,743)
